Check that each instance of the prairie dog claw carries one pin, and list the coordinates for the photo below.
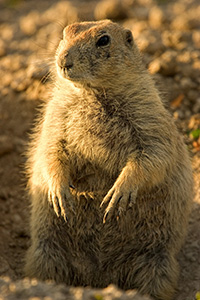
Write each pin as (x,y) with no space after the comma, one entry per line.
(61,200)
(121,196)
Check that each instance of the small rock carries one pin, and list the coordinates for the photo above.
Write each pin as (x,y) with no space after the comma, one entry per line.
(170,38)
(196,38)
(4,266)
(29,23)
(179,114)
(194,23)
(180,23)
(63,11)
(17,218)
(156,17)
(139,12)
(13,62)
(196,65)
(150,42)
(194,122)
(6,145)
(177,78)
(155,47)
(5,91)
(187,83)
(143,43)
(2,48)
(7,32)
(193,95)
(166,64)
(196,54)
(155,66)
(7,79)
(188,114)
(20,84)
(187,70)
(184,57)
(19,143)
(110,9)
(196,108)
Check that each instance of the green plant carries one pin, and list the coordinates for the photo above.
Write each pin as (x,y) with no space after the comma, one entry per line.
(195,133)
(198,295)
(98,297)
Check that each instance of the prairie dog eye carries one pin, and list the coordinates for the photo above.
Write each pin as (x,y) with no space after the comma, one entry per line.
(103,41)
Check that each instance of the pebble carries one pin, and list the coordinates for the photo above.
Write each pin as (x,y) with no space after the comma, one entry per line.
(29,24)
(4,266)
(193,95)
(2,48)
(166,64)
(196,108)
(20,84)
(140,13)
(7,32)
(17,218)
(180,22)
(155,66)
(6,145)
(196,38)
(156,17)
(63,12)
(169,65)
(171,38)
(142,43)
(187,83)
(110,9)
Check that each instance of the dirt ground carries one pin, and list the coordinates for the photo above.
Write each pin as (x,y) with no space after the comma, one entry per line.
(168,34)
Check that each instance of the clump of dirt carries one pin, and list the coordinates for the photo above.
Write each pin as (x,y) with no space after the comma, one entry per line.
(168,35)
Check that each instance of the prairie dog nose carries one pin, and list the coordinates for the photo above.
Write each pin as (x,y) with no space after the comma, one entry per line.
(65,61)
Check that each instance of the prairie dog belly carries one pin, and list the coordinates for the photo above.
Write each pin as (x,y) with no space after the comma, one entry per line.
(98,146)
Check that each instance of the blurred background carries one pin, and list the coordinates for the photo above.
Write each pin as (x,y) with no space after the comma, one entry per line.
(168,35)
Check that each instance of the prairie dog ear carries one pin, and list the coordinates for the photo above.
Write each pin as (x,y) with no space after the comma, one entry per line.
(128,37)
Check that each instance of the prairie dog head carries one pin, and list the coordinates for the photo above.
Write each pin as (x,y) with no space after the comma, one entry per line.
(95,52)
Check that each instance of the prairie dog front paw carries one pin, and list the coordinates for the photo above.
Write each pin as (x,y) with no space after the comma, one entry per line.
(122,195)
(61,199)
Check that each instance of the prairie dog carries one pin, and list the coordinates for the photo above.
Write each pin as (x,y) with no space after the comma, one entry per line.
(109,175)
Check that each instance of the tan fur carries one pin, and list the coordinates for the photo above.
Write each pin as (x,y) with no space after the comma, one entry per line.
(109,175)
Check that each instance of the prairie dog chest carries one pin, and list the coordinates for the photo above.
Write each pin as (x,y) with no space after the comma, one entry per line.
(99,132)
